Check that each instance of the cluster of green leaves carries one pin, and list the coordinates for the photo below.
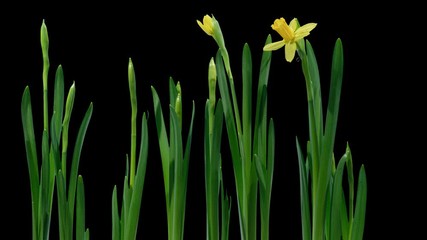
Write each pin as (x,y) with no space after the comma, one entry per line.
(54,152)
(251,144)
(175,158)
(252,148)
(324,197)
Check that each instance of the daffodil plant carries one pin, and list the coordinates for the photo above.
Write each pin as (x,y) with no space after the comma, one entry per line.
(326,215)
(125,221)
(252,145)
(54,154)
(175,158)
(214,187)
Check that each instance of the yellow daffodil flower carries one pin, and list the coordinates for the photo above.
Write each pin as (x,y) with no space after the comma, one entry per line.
(211,27)
(207,25)
(291,34)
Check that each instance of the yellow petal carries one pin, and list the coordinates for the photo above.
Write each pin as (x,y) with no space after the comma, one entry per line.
(206,26)
(294,24)
(290,49)
(304,31)
(274,46)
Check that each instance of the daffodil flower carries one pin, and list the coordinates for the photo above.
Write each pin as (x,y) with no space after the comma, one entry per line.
(291,34)
(207,25)
(211,27)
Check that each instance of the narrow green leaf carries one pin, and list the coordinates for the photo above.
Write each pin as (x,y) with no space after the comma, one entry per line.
(316,90)
(304,195)
(261,171)
(31,151)
(345,226)
(271,152)
(127,194)
(350,177)
(172,92)
(247,102)
(76,158)
(115,216)
(87,234)
(225,212)
(252,201)
(162,138)
(217,135)
(48,173)
(260,137)
(80,210)
(63,213)
(187,150)
(135,203)
(337,199)
(360,209)
(58,102)
(207,170)
(265,67)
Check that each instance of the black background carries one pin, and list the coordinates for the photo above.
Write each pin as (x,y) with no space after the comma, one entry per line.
(94,44)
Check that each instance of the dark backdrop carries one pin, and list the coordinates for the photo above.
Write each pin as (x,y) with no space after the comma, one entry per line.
(94,43)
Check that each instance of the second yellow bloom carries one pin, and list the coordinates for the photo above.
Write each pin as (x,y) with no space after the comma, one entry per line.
(291,34)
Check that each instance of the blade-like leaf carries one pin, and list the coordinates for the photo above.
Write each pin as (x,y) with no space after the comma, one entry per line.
(162,138)
(360,209)
(80,210)
(337,198)
(304,195)
(135,203)
(115,216)
(76,157)
(247,102)
(63,213)
(58,102)
(31,151)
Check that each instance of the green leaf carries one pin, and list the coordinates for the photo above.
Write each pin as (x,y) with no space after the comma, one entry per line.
(115,216)
(304,195)
(58,103)
(271,153)
(80,210)
(260,138)
(135,203)
(337,199)
(261,171)
(264,68)
(316,90)
(31,151)
(63,213)
(76,157)
(162,138)
(247,102)
(260,133)
(225,213)
(360,210)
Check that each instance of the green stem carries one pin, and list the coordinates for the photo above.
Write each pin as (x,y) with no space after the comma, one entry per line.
(133,100)
(44,40)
